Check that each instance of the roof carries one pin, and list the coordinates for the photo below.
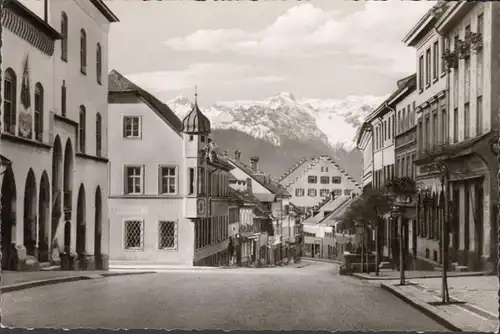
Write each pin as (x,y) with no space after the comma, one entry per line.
(329,205)
(340,210)
(195,121)
(243,197)
(263,179)
(317,158)
(118,84)
(17,7)
(425,23)
(101,7)
(406,85)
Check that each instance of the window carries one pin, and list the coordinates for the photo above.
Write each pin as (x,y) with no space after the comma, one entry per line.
(325,179)
(299,192)
(443,47)
(347,192)
(435,62)
(98,135)
(63,99)
(312,192)
(324,192)
(312,179)
(421,73)
(420,137)
(337,192)
(427,132)
(191,181)
(167,235)
(326,169)
(413,168)
(466,121)
(399,127)
(479,115)
(133,180)
(201,182)
(82,129)
(435,135)
(455,125)
(83,51)
(336,179)
(38,112)
(131,127)
(428,67)
(444,125)
(9,101)
(167,180)
(64,36)
(98,63)
(133,234)
(389,128)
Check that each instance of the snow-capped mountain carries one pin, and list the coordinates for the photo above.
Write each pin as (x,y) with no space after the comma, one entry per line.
(332,122)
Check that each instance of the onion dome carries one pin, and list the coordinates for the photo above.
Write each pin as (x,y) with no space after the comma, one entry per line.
(195,122)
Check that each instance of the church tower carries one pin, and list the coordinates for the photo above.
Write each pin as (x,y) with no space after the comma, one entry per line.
(196,132)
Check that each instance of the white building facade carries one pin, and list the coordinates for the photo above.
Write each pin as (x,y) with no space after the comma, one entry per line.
(54,120)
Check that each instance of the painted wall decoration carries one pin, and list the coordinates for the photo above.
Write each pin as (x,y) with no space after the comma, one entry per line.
(25,112)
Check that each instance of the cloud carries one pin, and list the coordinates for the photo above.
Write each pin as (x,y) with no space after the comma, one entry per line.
(201,74)
(307,31)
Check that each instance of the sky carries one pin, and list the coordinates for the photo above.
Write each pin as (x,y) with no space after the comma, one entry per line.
(246,50)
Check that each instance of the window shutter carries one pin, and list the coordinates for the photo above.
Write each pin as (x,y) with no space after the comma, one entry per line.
(124,127)
(124,180)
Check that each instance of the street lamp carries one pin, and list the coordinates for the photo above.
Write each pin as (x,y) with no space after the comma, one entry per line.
(445,175)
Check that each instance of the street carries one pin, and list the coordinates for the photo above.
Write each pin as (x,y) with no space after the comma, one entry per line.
(312,297)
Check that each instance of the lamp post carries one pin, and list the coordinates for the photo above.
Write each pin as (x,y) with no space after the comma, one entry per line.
(396,214)
(444,173)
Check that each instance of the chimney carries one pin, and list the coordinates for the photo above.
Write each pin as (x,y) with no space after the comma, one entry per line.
(249,185)
(237,155)
(254,163)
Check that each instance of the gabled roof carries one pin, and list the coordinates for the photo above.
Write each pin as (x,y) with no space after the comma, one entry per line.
(312,160)
(119,84)
(264,180)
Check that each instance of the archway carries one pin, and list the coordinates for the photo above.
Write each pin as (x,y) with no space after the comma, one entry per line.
(68,180)
(30,232)
(43,218)
(80,222)
(98,228)
(57,169)
(8,219)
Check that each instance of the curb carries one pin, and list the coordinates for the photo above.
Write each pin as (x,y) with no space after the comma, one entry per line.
(382,278)
(322,260)
(57,280)
(422,307)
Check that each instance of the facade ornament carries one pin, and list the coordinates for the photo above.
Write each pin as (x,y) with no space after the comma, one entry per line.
(451,59)
(476,42)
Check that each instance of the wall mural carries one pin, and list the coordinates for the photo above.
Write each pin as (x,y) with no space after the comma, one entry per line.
(25,113)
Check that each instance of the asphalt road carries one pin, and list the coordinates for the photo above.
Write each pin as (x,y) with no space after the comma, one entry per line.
(312,297)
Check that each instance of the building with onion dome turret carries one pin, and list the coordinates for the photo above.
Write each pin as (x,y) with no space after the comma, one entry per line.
(168,203)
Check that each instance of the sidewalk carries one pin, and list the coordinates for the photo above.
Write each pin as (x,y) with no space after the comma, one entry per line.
(18,280)
(389,274)
(477,309)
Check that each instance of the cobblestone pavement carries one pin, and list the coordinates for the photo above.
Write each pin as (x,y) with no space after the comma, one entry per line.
(312,297)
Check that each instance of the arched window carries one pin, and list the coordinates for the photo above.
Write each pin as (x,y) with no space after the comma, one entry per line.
(82,128)
(83,51)
(63,98)
(9,101)
(98,134)
(39,112)
(99,63)
(64,36)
